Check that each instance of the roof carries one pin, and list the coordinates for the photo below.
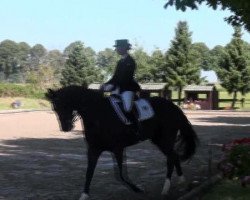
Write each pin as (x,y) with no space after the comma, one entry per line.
(145,86)
(153,86)
(94,86)
(199,88)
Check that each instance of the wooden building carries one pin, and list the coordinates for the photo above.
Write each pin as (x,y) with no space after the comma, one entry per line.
(159,89)
(148,89)
(203,96)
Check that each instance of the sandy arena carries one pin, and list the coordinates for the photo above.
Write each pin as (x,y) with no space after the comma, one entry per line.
(38,162)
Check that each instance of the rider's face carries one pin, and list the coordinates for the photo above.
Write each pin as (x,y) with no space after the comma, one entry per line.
(121,50)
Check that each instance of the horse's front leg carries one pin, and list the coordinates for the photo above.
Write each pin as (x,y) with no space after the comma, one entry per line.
(119,156)
(93,156)
(172,161)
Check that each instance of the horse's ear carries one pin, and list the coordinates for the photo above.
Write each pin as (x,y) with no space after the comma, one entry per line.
(50,94)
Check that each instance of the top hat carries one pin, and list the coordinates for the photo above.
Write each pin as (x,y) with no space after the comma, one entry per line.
(122,43)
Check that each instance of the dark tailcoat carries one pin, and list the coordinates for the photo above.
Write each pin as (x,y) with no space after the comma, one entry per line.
(124,75)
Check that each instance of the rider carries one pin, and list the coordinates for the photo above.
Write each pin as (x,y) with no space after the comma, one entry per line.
(123,81)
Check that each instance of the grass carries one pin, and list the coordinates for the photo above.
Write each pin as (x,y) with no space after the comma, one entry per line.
(228,190)
(26,103)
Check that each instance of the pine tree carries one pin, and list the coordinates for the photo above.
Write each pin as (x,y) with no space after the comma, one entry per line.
(78,69)
(157,62)
(143,72)
(233,70)
(181,65)
(106,61)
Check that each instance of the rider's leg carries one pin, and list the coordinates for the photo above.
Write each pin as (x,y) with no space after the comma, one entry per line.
(116,91)
(127,100)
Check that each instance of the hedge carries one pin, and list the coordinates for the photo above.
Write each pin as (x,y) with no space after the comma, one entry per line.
(20,90)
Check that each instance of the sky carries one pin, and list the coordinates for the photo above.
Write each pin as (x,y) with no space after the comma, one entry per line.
(97,23)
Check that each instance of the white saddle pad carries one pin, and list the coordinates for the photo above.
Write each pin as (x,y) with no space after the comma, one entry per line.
(144,109)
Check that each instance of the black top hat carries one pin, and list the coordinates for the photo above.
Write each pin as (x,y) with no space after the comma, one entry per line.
(122,43)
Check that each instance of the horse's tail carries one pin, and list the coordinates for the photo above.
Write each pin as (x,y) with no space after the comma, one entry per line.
(187,140)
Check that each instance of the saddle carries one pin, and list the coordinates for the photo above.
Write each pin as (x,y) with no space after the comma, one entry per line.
(142,110)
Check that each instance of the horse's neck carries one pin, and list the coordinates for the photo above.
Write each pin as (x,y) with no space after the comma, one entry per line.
(89,108)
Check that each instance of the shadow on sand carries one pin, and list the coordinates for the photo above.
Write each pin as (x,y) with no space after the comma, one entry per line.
(54,169)
(228,120)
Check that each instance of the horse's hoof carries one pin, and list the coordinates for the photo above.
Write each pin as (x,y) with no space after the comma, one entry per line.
(84,196)
(139,189)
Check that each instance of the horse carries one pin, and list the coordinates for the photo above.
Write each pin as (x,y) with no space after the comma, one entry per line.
(169,129)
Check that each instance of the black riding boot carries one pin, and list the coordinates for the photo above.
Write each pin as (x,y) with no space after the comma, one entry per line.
(135,124)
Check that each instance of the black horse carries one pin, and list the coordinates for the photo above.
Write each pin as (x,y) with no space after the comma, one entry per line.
(104,131)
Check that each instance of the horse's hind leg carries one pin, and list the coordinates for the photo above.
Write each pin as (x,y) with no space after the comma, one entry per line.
(181,178)
(119,159)
(93,156)
(166,145)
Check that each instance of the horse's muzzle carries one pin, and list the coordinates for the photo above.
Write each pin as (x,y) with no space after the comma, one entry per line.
(67,126)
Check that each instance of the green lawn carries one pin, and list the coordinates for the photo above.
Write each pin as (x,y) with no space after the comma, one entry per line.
(228,190)
(26,103)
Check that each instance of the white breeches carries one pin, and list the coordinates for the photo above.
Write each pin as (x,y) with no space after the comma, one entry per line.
(127,99)
(116,91)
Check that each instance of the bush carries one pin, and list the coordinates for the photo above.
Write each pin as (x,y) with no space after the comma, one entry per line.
(236,160)
(17,90)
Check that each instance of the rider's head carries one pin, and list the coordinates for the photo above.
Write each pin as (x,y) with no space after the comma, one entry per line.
(122,46)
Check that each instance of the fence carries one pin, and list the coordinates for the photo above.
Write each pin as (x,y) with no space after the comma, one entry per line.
(224,103)
(238,103)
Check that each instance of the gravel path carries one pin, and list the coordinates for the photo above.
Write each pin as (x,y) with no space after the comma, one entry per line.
(38,162)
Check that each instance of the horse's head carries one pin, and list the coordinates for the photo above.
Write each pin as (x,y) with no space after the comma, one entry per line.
(63,108)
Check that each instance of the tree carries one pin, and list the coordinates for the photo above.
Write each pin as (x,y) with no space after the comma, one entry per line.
(144,70)
(23,56)
(181,64)
(240,8)
(88,51)
(234,72)
(91,55)
(38,51)
(8,59)
(55,60)
(42,78)
(70,48)
(201,52)
(158,63)
(215,56)
(37,55)
(246,47)
(78,69)
(106,61)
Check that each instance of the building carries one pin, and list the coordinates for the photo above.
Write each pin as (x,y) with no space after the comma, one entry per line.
(204,96)
(148,89)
